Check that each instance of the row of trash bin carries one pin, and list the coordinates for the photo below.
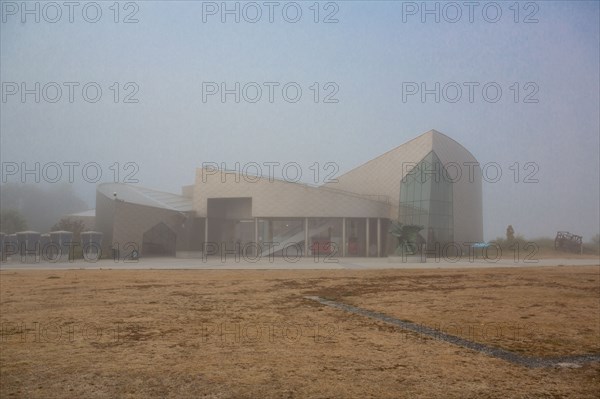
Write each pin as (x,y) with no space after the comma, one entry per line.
(54,246)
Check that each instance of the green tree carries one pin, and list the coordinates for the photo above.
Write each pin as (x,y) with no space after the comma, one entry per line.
(407,236)
(11,221)
(510,233)
(41,204)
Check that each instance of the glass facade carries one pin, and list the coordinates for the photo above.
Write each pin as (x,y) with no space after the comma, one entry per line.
(325,236)
(356,237)
(426,199)
(288,234)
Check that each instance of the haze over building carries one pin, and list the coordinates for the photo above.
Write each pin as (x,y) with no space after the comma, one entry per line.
(431,181)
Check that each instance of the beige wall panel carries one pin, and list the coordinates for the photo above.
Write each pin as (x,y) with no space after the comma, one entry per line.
(285,199)
(382,175)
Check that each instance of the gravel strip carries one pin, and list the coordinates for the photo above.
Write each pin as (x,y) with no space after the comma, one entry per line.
(527,361)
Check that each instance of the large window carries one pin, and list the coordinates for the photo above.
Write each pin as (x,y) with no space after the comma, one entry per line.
(426,199)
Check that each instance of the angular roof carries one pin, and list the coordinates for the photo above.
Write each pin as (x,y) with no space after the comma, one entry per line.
(430,140)
(382,175)
(135,194)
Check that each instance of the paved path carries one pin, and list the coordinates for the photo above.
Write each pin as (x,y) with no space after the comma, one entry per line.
(282,263)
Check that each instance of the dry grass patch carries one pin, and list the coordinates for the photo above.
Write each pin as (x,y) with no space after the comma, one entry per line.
(237,334)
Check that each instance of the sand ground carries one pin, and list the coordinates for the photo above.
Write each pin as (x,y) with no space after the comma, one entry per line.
(252,333)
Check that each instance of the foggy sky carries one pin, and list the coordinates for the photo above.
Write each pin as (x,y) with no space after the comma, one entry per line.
(368,54)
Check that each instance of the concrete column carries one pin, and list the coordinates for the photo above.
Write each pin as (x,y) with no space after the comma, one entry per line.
(306,237)
(256,236)
(378,237)
(343,236)
(205,233)
(367,237)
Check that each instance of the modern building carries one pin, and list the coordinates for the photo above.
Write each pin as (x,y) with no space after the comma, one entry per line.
(431,181)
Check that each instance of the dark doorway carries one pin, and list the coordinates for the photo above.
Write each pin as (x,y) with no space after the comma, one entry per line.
(230,221)
(159,241)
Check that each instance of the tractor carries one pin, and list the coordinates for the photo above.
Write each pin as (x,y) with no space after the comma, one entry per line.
(566,241)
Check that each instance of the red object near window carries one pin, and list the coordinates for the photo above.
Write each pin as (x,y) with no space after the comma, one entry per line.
(322,247)
(353,248)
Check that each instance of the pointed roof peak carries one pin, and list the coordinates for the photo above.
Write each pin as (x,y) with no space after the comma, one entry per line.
(434,132)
